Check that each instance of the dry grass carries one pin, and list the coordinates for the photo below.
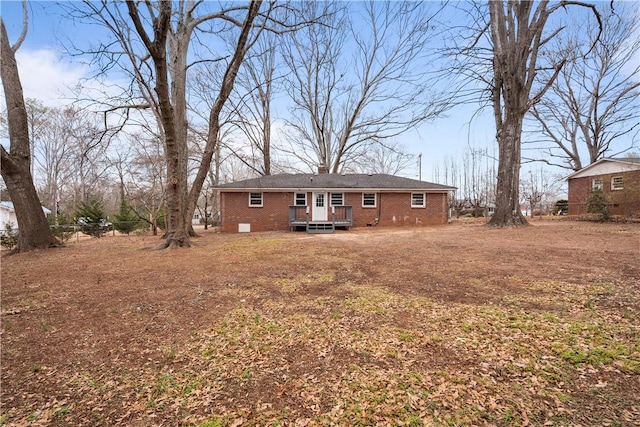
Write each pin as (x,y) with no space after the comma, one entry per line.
(457,325)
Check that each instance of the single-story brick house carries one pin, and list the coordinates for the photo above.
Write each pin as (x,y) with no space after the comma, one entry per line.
(323,202)
(618,179)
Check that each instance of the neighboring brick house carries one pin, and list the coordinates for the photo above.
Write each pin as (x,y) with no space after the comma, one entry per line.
(323,202)
(617,179)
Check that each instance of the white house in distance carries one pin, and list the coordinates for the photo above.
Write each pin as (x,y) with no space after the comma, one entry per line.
(8,215)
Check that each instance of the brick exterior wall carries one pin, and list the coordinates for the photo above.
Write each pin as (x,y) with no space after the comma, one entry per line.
(621,202)
(273,215)
(392,209)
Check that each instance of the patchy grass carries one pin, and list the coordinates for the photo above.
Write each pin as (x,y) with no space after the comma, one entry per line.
(458,326)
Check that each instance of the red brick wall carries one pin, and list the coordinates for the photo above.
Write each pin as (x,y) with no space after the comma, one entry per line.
(579,191)
(392,209)
(621,202)
(273,215)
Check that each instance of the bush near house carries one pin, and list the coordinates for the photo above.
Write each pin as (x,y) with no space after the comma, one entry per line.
(9,237)
(597,204)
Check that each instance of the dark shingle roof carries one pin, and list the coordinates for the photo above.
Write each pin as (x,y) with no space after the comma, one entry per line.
(627,159)
(333,181)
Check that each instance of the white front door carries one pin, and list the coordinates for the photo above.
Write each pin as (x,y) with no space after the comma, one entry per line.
(319,208)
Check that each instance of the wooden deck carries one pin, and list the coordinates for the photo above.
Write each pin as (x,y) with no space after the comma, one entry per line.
(300,218)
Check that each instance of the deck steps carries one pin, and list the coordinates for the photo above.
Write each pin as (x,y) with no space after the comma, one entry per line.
(320,227)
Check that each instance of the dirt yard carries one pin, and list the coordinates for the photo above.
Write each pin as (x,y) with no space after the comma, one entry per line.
(453,325)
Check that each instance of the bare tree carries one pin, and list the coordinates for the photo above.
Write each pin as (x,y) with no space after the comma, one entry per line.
(209,200)
(71,156)
(531,192)
(38,119)
(478,175)
(473,174)
(16,163)
(252,104)
(449,174)
(37,115)
(155,38)
(51,151)
(139,164)
(595,100)
(518,31)
(538,190)
(68,155)
(358,80)
(388,158)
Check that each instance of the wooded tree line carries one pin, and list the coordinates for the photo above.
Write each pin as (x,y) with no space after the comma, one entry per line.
(202,89)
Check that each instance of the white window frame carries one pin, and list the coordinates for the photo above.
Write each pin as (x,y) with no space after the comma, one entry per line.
(251,200)
(617,183)
(295,199)
(423,204)
(597,184)
(341,199)
(375,200)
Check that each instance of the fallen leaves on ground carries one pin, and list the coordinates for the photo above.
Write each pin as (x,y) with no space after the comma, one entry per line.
(458,325)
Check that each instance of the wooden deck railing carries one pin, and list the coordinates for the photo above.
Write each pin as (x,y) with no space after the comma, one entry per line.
(298,215)
(342,215)
(339,215)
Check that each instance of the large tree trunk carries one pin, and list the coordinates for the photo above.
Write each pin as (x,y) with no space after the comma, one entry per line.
(510,97)
(517,28)
(35,232)
(214,116)
(507,211)
(178,47)
(177,234)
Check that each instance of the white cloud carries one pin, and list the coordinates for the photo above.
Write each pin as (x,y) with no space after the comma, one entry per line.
(46,78)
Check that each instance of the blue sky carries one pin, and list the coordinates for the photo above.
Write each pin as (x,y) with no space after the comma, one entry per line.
(47,74)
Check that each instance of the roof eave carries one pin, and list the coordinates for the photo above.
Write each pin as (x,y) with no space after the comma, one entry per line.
(335,189)
(594,164)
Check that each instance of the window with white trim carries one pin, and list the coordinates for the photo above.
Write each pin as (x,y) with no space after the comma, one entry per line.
(300,199)
(617,183)
(368,200)
(597,184)
(255,200)
(418,200)
(337,199)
